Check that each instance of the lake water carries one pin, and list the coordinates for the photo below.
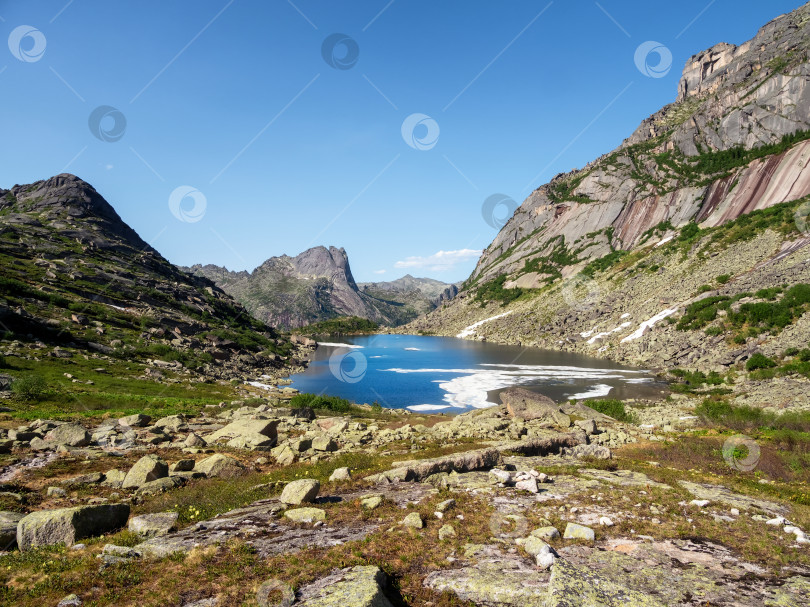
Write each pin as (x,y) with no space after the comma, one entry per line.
(450,374)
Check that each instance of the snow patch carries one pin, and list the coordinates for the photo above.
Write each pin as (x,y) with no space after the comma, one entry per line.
(624,325)
(428,407)
(337,345)
(649,323)
(664,241)
(470,331)
(595,392)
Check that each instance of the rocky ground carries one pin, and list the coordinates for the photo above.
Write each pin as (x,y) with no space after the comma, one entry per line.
(529,503)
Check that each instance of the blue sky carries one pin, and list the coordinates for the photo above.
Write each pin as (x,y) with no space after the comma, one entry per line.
(228,137)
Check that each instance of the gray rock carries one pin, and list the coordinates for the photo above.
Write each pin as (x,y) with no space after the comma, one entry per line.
(8,528)
(305,515)
(595,451)
(67,525)
(300,491)
(70,600)
(160,485)
(150,525)
(340,474)
(324,443)
(247,433)
(219,465)
(360,586)
(72,435)
(528,405)
(183,465)
(573,531)
(148,468)
(138,420)
(414,521)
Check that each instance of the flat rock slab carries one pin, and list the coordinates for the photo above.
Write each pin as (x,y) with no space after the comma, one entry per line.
(260,525)
(67,525)
(492,578)
(679,573)
(355,587)
(718,493)
(624,478)
(419,470)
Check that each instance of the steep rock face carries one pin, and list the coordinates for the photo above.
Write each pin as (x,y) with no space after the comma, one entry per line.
(318,285)
(698,159)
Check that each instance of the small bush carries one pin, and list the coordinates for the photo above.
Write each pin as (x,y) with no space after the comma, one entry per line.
(29,387)
(316,401)
(759,361)
(713,331)
(804,355)
(613,408)
(723,278)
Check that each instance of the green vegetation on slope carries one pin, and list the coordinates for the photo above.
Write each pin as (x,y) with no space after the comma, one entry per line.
(343,324)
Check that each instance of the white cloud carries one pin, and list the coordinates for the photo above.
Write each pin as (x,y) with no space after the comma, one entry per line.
(379,271)
(438,262)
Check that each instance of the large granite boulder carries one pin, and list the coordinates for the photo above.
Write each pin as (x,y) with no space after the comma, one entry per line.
(360,586)
(301,491)
(527,405)
(247,434)
(148,468)
(67,525)
(219,465)
(8,529)
(72,435)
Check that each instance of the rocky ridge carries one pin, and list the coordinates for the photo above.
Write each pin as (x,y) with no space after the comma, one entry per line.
(316,285)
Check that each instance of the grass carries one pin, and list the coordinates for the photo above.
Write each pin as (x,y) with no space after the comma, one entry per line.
(613,408)
(323,402)
(341,325)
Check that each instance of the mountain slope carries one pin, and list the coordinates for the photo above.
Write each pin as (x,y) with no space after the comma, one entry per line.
(595,259)
(318,285)
(74,276)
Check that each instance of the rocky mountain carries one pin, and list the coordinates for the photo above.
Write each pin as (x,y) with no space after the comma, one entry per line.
(75,278)
(705,199)
(318,285)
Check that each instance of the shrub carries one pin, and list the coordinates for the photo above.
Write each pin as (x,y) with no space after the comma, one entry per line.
(723,278)
(29,387)
(3,363)
(713,331)
(804,355)
(316,401)
(613,408)
(759,361)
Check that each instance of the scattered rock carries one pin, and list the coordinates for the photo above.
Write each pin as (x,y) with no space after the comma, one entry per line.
(72,435)
(150,525)
(573,531)
(371,502)
(70,600)
(360,586)
(546,533)
(341,474)
(138,420)
(527,405)
(414,521)
(219,465)
(69,524)
(446,531)
(8,528)
(305,515)
(148,468)
(300,491)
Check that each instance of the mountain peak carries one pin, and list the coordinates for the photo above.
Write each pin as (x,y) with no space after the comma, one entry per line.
(76,203)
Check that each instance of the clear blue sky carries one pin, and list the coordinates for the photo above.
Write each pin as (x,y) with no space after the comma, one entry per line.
(235,100)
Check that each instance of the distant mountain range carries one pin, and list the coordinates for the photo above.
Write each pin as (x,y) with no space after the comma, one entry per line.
(291,292)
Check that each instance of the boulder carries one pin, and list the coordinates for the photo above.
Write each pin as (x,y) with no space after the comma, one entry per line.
(595,451)
(414,521)
(573,531)
(301,491)
(341,474)
(247,434)
(371,502)
(324,443)
(419,470)
(572,585)
(171,423)
(67,525)
(360,586)
(446,531)
(8,528)
(72,435)
(184,465)
(139,420)
(283,455)
(305,515)
(219,465)
(527,405)
(160,485)
(114,477)
(148,468)
(150,525)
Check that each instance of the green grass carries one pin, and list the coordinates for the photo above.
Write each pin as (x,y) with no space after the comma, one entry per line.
(613,408)
(759,361)
(317,401)
(495,291)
